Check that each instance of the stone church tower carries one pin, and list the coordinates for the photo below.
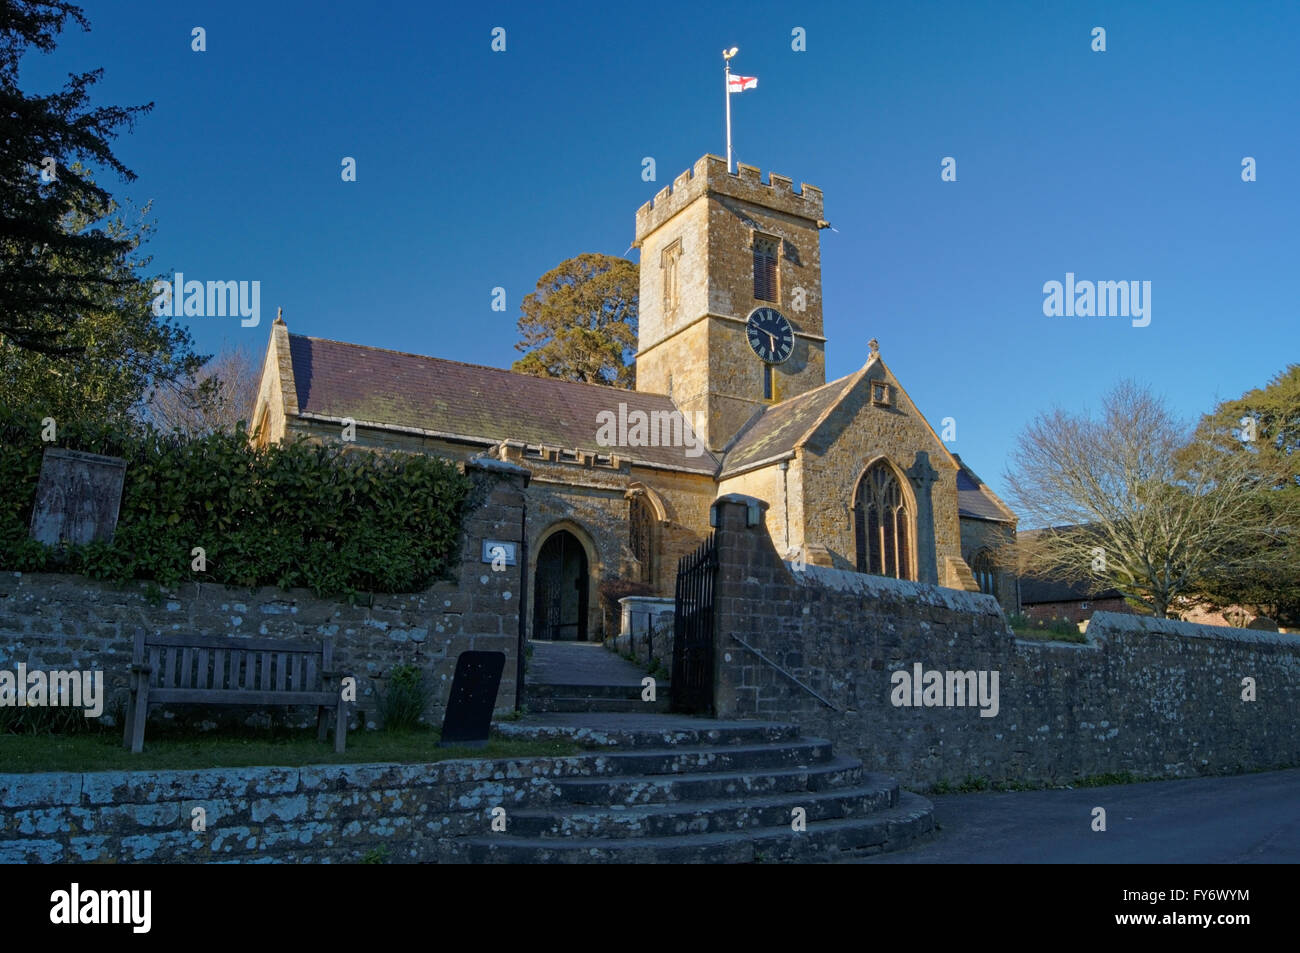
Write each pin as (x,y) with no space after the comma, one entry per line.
(714,248)
(731,337)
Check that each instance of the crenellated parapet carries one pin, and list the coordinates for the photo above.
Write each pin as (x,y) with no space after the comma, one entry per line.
(710,175)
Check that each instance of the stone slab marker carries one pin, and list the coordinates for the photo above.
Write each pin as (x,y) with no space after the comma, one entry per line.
(77,497)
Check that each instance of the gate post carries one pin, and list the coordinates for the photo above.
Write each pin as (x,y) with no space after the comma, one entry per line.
(748,567)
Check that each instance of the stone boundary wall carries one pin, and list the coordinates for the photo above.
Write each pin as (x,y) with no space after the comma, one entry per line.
(310,814)
(50,621)
(1146,696)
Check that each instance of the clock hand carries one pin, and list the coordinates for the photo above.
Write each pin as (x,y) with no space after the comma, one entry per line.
(771,340)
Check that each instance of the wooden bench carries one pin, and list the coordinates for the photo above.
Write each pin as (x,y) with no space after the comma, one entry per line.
(219,670)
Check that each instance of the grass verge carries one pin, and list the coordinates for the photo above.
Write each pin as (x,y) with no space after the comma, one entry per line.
(104,752)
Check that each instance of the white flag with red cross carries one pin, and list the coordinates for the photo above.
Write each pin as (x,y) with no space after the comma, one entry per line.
(738,84)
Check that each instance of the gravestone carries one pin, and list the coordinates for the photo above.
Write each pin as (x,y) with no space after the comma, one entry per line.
(473,697)
(77,497)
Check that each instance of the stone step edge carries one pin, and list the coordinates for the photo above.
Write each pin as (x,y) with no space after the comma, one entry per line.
(867,786)
(836,763)
(594,690)
(795,744)
(648,736)
(913,812)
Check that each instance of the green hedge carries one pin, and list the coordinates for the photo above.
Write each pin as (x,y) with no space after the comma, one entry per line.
(337,519)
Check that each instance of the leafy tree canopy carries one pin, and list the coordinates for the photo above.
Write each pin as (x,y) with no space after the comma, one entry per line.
(77,334)
(581,322)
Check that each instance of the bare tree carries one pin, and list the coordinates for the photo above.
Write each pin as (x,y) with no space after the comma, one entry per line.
(1133,501)
(215,398)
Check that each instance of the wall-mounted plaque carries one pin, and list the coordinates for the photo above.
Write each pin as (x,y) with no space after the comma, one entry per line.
(498,549)
(77,497)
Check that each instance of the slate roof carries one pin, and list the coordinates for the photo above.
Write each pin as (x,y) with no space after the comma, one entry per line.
(487,404)
(976,500)
(1036,591)
(781,426)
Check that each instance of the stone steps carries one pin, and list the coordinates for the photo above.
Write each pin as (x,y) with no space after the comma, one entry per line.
(677,789)
(682,759)
(579,703)
(824,840)
(582,697)
(658,789)
(628,731)
(688,817)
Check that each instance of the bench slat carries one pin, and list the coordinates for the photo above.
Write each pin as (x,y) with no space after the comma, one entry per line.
(201,676)
(281,660)
(297,684)
(169,667)
(313,680)
(219,669)
(239,697)
(265,683)
(155,676)
(187,663)
(233,641)
(250,669)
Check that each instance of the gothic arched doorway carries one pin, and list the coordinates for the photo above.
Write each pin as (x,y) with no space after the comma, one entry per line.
(560,589)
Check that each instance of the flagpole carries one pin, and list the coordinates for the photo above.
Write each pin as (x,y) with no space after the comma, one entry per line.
(726,92)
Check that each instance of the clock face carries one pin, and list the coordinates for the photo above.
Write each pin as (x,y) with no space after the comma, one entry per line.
(770,335)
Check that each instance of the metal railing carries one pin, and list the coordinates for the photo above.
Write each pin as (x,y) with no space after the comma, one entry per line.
(792,678)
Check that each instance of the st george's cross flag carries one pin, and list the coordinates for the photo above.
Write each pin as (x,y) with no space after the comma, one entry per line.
(737,84)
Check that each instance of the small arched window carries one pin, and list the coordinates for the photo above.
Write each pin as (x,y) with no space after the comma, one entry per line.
(641,536)
(882,524)
(985,572)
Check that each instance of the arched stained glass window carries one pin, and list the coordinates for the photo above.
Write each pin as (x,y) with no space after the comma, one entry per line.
(882,524)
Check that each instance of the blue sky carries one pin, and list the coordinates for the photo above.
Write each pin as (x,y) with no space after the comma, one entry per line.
(478,169)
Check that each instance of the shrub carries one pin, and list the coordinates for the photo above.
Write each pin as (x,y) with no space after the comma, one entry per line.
(338,520)
(402,701)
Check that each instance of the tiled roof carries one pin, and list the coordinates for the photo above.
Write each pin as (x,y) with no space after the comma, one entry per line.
(1036,591)
(977,500)
(780,427)
(335,379)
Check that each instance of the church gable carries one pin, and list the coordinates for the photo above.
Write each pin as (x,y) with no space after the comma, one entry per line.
(871,448)
(875,404)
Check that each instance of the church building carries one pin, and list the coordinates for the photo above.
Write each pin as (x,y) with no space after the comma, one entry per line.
(731,397)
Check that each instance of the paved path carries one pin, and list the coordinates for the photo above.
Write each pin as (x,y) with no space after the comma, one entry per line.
(579,663)
(1248,818)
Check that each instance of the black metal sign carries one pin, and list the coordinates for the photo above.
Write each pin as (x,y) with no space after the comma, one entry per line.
(473,697)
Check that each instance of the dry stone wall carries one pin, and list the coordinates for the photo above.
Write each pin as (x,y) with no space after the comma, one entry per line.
(51,621)
(1145,696)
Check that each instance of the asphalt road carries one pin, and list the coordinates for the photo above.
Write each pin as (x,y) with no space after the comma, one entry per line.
(1245,819)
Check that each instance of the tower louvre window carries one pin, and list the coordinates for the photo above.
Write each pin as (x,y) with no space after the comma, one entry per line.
(766,256)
